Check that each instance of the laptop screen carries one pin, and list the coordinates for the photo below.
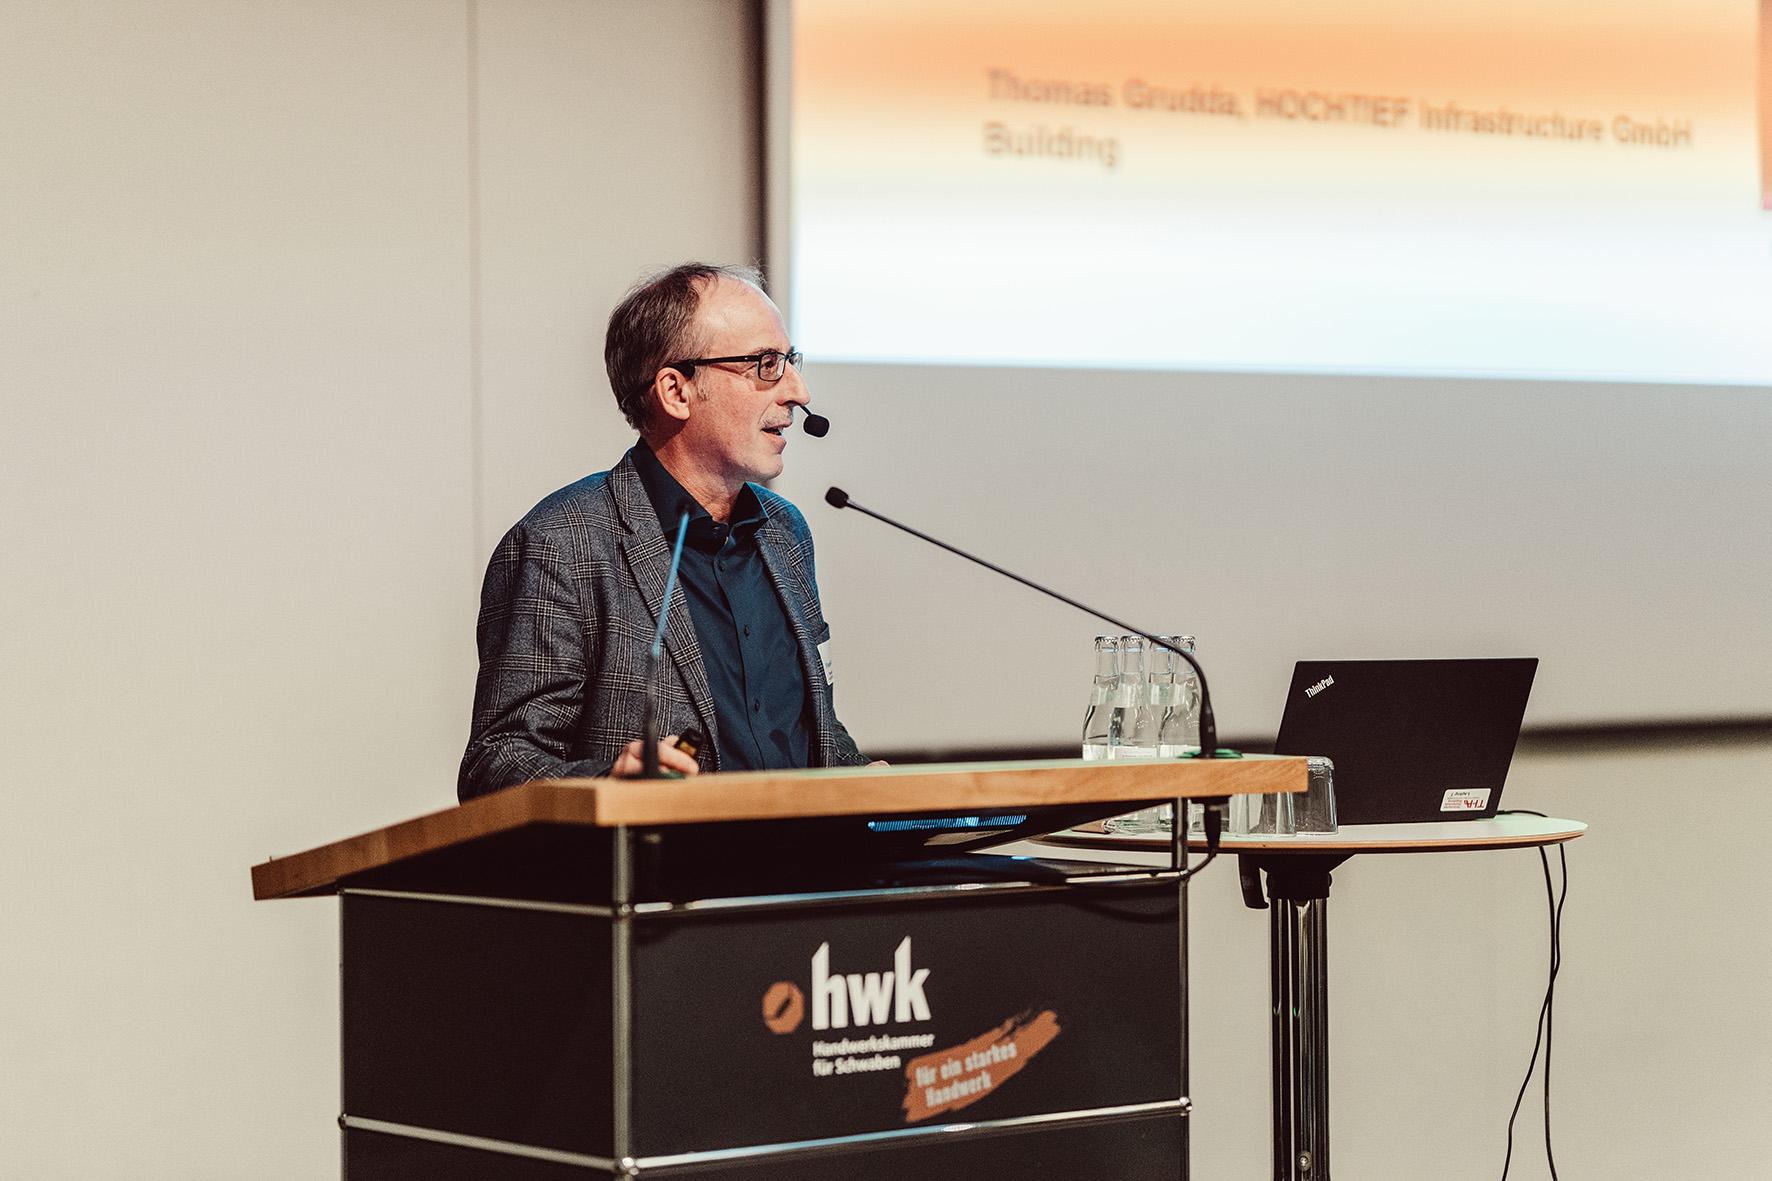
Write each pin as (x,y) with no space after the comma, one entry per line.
(1412,740)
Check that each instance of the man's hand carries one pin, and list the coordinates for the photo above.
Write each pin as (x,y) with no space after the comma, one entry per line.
(669,759)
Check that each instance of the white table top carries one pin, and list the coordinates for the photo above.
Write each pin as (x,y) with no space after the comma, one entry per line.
(1451,836)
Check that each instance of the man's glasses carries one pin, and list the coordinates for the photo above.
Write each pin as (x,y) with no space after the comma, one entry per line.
(771,366)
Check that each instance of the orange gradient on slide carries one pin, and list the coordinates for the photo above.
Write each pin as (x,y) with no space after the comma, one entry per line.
(880,87)
(865,57)
(1348,185)
(869,61)
(1766,103)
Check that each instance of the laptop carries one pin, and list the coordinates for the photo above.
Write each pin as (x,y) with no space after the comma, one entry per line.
(1412,740)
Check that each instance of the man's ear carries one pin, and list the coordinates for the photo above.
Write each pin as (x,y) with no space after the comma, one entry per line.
(670,390)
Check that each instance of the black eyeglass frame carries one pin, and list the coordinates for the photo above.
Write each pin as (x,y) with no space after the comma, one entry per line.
(755,360)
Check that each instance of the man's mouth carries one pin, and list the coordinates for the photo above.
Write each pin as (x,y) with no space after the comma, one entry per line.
(779,429)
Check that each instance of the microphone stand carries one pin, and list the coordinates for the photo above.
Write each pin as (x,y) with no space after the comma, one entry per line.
(837,498)
(649,735)
(1212,810)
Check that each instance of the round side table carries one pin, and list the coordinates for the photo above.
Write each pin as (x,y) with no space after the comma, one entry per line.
(1297,869)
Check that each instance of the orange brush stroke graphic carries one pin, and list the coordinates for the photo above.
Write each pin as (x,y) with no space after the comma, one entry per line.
(974,1068)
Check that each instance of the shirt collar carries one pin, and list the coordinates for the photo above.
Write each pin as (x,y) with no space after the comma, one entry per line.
(670,500)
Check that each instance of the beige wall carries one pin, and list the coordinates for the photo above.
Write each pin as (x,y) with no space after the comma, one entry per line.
(615,138)
(300,306)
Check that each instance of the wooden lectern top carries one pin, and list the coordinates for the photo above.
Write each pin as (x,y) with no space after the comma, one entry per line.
(777,795)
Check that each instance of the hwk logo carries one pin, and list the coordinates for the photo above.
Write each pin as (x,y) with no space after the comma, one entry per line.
(1319,686)
(839,1001)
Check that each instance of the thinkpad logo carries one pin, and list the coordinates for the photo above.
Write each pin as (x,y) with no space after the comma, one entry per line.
(1319,686)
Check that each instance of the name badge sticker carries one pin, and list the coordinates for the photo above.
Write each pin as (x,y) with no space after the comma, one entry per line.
(1465,799)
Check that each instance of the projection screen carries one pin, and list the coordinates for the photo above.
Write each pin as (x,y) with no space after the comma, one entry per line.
(1318,330)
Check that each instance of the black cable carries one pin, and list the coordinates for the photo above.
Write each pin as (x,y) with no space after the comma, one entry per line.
(1212,822)
(1211,826)
(1554,900)
(1188,874)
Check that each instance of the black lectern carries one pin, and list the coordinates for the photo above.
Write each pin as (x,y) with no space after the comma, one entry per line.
(766,975)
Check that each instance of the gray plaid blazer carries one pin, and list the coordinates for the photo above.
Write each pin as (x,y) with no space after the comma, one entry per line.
(567,614)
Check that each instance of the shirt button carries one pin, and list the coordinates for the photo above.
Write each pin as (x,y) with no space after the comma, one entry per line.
(756,707)
(747,629)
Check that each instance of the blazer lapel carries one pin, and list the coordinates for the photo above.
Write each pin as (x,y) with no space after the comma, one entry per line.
(774,542)
(648,555)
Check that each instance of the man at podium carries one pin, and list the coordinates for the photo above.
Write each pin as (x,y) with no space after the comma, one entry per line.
(701,366)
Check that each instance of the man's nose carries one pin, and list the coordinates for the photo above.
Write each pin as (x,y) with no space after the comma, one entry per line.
(791,389)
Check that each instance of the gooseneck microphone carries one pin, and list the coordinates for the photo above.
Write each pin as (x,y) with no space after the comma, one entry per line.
(837,498)
(816,425)
(649,709)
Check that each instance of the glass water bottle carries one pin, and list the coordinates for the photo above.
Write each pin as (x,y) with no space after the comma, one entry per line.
(1097,720)
(1179,721)
(1132,731)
